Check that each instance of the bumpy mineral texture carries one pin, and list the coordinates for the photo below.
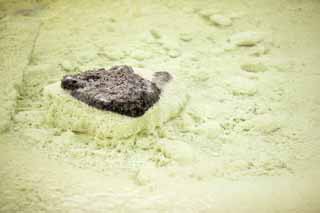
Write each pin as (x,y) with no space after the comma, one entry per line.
(118,89)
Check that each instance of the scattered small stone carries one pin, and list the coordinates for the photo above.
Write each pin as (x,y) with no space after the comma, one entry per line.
(169,44)
(220,20)
(247,39)
(118,89)
(260,50)
(241,86)
(185,37)
(212,38)
(265,123)
(155,34)
(228,47)
(255,67)
(174,53)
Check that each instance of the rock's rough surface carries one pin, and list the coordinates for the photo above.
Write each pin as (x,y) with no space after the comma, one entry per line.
(118,89)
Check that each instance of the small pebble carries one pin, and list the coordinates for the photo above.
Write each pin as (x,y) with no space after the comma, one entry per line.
(265,123)
(247,39)
(185,37)
(174,53)
(220,20)
(260,51)
(255,67)
(242,87)
(168,44)
(228,47)
(155,34)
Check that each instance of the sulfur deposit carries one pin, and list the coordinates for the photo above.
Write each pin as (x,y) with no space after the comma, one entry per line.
(232,126)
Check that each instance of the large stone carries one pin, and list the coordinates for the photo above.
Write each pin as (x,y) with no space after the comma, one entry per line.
(69,114)
(118,89)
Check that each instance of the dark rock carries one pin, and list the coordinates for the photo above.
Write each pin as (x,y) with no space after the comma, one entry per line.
(118,89)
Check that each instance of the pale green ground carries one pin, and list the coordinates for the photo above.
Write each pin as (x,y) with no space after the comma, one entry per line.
(246,141)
